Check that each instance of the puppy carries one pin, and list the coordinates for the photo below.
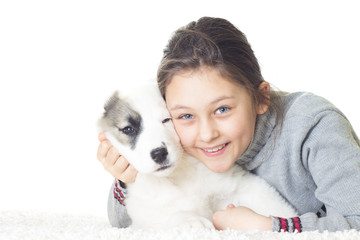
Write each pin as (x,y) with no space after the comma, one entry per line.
(172,188)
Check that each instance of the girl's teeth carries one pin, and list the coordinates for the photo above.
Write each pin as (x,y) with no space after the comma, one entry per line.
(215,149)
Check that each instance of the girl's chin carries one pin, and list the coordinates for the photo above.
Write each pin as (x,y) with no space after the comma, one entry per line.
(217,168)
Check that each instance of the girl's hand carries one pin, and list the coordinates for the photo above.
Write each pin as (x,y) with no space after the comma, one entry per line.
(113,162)
(240,218)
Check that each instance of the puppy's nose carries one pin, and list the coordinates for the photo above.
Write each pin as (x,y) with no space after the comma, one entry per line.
(159,155)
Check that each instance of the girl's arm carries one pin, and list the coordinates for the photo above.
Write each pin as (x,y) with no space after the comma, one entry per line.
(240,218)
(116,209)
(331,155)
(120,168)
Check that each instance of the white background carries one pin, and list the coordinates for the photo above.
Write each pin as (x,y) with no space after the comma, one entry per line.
(59,61)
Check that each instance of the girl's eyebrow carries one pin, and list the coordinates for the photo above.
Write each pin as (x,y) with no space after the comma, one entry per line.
(221,98)
(177,107)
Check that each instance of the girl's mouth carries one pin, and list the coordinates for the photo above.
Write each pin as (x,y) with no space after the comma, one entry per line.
(215,151)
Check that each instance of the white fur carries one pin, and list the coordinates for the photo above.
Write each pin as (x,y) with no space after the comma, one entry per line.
(187,194)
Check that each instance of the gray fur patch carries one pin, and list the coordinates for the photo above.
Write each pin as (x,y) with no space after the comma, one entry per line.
(122,120)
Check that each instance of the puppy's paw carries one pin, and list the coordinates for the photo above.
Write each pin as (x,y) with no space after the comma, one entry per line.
(199,222)
(188,220)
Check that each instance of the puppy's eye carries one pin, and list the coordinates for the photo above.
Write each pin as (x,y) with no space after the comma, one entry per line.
(128,130)
(166,120)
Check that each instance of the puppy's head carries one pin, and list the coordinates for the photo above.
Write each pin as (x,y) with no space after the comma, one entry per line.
(138,124)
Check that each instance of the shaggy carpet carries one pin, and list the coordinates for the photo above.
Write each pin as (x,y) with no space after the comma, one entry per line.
(42,225)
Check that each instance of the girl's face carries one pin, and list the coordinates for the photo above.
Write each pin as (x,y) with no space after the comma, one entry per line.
(213,117)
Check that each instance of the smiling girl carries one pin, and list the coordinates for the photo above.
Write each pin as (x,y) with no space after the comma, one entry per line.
(213,117)
(225,113)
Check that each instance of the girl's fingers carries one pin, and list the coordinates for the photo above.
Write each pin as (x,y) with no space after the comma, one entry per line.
(111,158)
(102,137)
(103,149)
(113,162)
(129,174)
(119,167)
(123,171)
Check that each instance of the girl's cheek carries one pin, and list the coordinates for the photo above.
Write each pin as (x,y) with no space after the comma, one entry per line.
(178,129)
(185,135)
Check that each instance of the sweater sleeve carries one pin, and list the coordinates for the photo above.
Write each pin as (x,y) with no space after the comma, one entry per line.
(331,153)
(116,209)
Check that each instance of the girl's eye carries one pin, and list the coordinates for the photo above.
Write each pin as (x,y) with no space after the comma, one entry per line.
(222,110)
(186,116)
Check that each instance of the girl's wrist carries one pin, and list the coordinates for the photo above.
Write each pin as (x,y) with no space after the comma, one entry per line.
(265,223)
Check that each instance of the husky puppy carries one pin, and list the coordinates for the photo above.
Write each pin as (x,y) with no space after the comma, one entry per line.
(172,188)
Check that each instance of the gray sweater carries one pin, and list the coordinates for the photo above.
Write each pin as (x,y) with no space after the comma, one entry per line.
(312,159)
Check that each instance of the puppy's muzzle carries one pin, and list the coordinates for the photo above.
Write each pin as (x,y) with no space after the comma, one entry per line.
(159,155)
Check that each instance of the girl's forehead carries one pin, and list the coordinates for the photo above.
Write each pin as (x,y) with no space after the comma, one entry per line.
(202,88)
(207,77)
(203,70)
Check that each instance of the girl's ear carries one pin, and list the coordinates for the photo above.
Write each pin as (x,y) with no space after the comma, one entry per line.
(263,105)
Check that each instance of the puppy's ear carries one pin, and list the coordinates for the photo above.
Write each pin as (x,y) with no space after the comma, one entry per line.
(105,122)
(111,102)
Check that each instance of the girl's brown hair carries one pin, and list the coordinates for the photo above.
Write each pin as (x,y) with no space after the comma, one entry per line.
(213,42)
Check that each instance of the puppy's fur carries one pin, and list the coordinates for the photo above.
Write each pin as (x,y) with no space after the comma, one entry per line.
(172,188)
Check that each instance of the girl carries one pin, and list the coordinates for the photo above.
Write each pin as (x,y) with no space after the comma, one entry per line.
(225,113)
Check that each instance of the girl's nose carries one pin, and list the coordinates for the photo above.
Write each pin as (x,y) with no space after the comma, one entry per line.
(208,130)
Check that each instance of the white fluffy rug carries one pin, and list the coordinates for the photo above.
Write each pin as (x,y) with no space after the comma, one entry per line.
(39,226)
